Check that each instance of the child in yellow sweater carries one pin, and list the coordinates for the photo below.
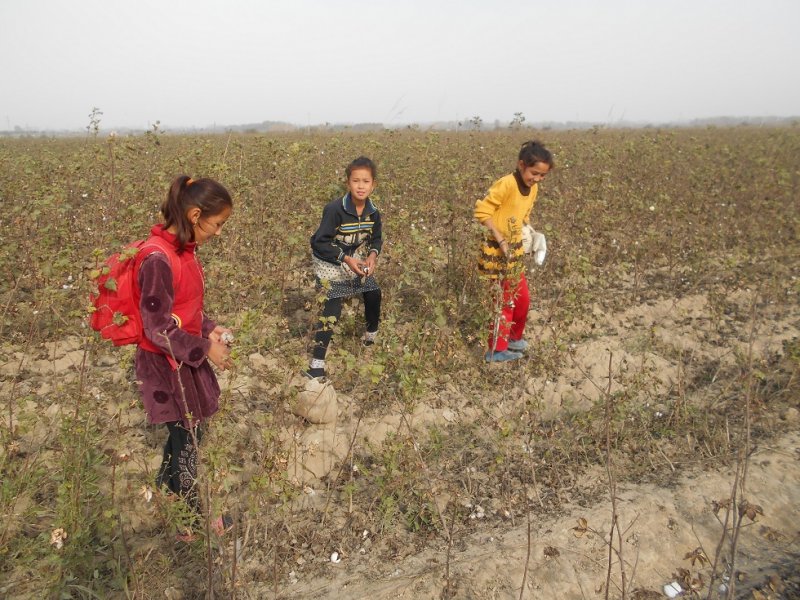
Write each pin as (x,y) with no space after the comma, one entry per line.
(503,212)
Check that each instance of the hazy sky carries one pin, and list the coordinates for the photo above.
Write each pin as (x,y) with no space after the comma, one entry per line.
(204,62)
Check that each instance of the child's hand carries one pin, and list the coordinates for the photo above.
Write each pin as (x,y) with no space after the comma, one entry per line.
(369,264)
(218,335)
(356,266)
(220,355)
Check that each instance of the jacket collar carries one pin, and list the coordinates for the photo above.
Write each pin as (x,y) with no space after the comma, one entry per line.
(350,208)
(160,231)
(524,189)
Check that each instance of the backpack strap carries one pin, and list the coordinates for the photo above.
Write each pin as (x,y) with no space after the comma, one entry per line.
(154,244)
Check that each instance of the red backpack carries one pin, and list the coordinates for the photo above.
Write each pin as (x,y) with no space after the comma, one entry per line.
(115,308)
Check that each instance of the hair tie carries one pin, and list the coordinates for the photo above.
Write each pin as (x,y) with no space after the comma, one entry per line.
(189,182)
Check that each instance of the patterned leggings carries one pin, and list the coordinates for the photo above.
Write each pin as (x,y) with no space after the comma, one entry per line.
(178,470)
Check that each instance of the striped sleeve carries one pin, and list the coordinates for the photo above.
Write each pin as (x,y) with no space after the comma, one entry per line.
(376,240)
(323,242)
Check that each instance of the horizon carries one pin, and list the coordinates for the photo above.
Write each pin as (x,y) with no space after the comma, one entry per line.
(271,126)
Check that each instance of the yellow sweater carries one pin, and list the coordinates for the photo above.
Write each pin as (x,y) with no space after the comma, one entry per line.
(509,210)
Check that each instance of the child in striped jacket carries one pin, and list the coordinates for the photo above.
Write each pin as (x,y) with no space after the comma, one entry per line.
(345,251)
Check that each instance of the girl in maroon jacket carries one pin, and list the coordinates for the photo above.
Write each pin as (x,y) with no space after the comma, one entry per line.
(176,381)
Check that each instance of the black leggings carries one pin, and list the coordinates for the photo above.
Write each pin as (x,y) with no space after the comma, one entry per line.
(333,308)
(178,470)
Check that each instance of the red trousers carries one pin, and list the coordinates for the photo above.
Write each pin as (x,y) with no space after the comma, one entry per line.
(513,312)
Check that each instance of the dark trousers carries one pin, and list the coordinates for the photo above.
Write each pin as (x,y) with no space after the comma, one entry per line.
(333,308)
(178,472)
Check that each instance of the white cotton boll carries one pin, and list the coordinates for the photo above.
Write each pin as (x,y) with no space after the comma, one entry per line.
(673,590)
(147,493)
(58,537)
(478,513)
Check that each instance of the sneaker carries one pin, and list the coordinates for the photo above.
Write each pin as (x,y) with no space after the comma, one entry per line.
(314,373)
(517,345)
(222,525)
(503,356)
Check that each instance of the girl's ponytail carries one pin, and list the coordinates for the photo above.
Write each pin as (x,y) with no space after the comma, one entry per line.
(184,193)
(174,211)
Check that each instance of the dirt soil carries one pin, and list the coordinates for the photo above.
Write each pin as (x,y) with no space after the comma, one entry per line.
(662,522)
(559,553)
(661,525)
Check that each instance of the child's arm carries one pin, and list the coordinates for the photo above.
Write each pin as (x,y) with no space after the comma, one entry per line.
(158,297)
(501,241)
(323,242)
(375,244)
(209,326)
(485,210)
(324,245)
(376,241)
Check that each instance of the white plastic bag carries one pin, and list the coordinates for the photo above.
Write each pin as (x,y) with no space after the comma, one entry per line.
(535,243)
(539,248)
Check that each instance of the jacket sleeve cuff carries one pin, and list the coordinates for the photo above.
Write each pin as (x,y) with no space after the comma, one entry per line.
(208,326)
(195,358)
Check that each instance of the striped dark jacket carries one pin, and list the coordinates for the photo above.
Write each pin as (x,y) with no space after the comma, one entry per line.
(342,231)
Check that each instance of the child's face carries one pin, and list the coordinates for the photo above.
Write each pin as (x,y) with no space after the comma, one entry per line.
(209,227)
(534,173)
(360,184)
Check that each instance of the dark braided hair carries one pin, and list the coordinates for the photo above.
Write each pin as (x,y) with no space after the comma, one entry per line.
(533,151)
